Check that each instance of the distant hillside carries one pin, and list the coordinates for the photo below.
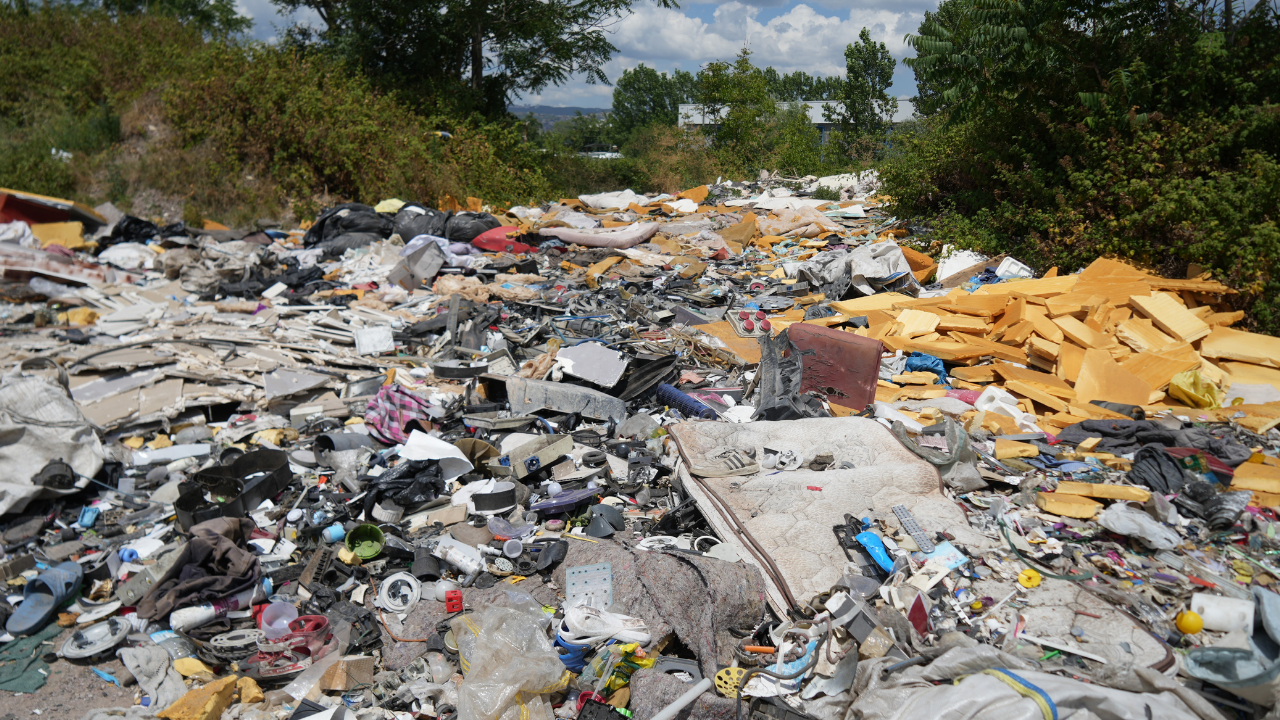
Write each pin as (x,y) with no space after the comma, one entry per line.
(551,115)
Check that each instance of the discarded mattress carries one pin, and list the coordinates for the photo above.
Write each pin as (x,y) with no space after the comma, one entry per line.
(792,521)
(623,237)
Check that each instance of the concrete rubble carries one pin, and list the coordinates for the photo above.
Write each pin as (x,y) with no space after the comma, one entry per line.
(739,452)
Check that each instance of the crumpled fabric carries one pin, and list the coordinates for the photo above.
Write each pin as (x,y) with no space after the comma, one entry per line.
(391,410)
(1154,468)
(213,565)
(1122,437)
(618,200)
(827,273)
(466,286)
(153,668)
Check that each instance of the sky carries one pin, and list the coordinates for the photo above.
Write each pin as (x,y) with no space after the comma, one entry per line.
(789,35)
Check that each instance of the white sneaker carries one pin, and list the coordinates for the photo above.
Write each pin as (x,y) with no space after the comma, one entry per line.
(726,463)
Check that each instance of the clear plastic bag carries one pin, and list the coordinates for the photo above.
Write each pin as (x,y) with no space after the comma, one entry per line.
(508,661)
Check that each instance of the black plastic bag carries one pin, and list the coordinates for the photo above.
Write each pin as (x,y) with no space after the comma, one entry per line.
(344,219)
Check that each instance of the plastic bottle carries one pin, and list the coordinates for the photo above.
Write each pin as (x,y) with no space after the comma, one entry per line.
(193,617)
(195,433)
(176,645)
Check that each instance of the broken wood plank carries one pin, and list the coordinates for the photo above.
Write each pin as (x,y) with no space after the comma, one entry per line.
(1103,490)
(1141,335)
(1156,369)
(1072,506)
(978,374)
(1227,344)
(1032,392)
(915,323)
(1102,378)
(1039,347)
(1171,317)
(1082,334)
(994,349)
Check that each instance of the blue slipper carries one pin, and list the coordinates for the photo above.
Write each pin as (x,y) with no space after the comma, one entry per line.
(42,596)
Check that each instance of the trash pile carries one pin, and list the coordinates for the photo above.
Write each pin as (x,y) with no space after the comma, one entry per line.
(736,453)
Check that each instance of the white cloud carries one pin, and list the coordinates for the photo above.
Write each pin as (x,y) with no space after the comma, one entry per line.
(801,38)
(269,21)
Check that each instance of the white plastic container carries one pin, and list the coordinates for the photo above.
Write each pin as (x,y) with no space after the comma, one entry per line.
(1223,614)
(1012,268)
(276,619)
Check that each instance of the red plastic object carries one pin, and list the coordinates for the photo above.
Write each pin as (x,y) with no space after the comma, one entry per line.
(760,315)
(766,325)
(453,601)
(743,314)
(496,240)
(748,325)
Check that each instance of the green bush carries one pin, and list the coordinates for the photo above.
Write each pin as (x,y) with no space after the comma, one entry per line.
(236,129)
(1063,131)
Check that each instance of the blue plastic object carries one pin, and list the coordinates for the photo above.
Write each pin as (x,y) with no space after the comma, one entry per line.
(88,516)
(928,363)
(876,549)
(671,397)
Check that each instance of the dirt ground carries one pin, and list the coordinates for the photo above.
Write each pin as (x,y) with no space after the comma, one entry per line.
(71,691)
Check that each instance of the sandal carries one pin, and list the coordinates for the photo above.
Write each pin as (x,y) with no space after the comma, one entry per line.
(585,625)
(42,596)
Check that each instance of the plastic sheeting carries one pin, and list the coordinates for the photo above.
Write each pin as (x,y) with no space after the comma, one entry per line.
(509,663)
(911,694)
(39,422)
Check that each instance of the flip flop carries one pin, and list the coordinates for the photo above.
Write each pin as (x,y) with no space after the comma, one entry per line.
(42,596)
(587,626)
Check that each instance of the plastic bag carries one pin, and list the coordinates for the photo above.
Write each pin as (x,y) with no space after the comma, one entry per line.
(1125,520)
(1193,389)
(509,663)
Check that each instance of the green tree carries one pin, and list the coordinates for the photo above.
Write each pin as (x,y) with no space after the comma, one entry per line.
(215,17)
(800,86)
(470,54)
(644,96)
(734,102)
(581,133)
(1063,130)
(865,107)
(928,98)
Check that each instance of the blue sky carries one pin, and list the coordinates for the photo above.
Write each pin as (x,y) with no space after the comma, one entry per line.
(788,35)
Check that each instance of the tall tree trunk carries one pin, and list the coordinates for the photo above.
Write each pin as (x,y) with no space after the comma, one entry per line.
(1226,15)
(477,46)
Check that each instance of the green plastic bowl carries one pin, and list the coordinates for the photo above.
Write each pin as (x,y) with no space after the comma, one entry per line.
(365,541)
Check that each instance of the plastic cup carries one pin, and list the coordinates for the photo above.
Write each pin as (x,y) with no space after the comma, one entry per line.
(276,619)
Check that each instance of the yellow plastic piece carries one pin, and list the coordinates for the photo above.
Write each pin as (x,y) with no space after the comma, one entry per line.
(729,680)
(1193,389)
(1029,578)
(1189,623)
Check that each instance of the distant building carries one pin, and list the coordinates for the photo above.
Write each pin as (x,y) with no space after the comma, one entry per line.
(692,116)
